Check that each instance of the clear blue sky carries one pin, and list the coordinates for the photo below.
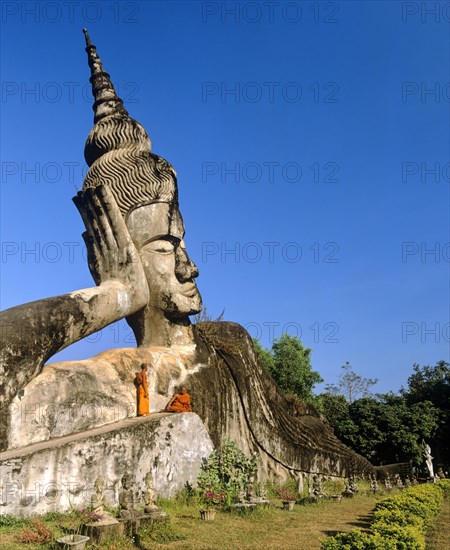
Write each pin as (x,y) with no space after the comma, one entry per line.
(339,112)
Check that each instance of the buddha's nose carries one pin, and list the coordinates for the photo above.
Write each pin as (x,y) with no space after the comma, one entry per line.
(185,269)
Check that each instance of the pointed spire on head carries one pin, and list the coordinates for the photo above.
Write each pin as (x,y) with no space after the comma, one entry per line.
(118,149)
(86,36)
(106,100)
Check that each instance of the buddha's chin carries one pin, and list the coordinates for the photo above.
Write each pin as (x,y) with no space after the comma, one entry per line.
(183,306)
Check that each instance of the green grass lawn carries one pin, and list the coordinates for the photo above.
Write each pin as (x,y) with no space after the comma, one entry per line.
(438,537)
(271,529)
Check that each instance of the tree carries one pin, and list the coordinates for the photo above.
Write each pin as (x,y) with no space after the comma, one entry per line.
(336,409)
(264,355)
(385,428)
(390,430)
(432,384)
(351,385)
(289,364)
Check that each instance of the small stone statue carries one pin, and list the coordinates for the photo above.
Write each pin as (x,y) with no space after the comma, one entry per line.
(149,495)
(251,491)
(97,499)
(347,490)
(263,492)
(242,496)
(398,481)
(350,487)
(126,499)
(428,459)
(407,481)
(414,480)
(317,488)
(387,483)
(374,483)
(353,485)
(249,498)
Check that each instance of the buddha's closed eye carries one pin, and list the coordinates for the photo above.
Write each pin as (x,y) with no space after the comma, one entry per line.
(161,246)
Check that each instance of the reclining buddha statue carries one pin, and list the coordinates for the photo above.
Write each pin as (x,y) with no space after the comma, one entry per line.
(143,273)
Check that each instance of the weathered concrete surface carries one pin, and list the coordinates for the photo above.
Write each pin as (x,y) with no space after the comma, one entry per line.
(74,396)
(231,392)
(238,398)
(61,474)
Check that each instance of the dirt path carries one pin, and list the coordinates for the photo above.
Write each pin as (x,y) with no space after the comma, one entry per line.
(439,537)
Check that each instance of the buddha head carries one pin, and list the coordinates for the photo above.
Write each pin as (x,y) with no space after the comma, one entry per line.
(118,153)
(99,485)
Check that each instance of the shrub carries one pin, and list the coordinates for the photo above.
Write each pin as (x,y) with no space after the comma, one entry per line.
(287,492)
(423,501)
(8,520)
(399,521)
(398,517)
(444,486)
(404,537)
(37,533)
(357,540)
(333,486)
(185,497)
(226,472)
(53,516)
(212,499)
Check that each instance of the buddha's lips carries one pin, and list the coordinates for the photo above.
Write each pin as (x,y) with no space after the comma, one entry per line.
(189,291)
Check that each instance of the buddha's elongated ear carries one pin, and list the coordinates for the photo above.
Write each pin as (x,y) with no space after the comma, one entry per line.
(88,238)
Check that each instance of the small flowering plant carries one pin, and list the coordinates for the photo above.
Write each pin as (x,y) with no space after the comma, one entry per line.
(287,493)
(212,498)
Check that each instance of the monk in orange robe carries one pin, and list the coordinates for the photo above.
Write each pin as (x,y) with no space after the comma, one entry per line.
(180,402)
(141,383)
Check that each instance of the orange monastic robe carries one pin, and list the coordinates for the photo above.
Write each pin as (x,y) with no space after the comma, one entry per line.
(181,403)
(143,401)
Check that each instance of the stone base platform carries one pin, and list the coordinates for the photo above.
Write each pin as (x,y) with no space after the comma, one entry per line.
(102,530)
(59,474)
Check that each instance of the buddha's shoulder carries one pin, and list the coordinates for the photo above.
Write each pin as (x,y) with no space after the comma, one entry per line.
(224,335)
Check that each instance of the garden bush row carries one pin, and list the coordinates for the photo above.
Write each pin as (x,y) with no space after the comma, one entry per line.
(400,522)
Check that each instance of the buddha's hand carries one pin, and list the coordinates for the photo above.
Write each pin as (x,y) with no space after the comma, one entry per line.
(112,254)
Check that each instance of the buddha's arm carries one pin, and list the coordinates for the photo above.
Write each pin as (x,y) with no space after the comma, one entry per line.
(31,333)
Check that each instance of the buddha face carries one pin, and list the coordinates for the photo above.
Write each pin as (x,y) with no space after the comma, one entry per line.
(157,229)
(99,485)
